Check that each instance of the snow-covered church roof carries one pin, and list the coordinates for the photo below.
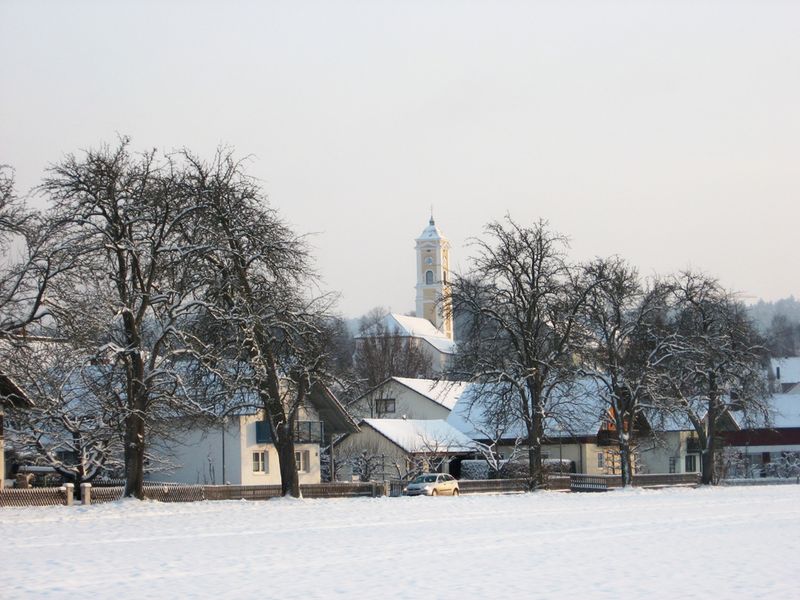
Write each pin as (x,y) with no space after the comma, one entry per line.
(431,232)
(405,326)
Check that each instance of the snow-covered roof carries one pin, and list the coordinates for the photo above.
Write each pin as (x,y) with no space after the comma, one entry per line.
(474,415)
(405,326)
(418,435)
(789,369)
(676,421)
(445,393)
(785,410)
(421,328)
(431,232)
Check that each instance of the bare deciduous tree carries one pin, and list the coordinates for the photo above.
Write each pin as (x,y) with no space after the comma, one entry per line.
(130,300)
(623,322)
(259,291)
(382,353)
(521,301)
(715,363)
(70,426)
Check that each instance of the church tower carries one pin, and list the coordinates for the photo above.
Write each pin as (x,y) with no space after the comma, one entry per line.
(433,271)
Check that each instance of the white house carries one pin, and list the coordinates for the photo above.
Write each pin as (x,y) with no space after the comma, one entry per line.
(241,451)
(408,398)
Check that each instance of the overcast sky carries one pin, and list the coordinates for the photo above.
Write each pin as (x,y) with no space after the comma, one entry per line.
(666,132)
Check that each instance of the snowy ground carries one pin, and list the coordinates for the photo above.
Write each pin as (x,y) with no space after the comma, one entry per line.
(716,543)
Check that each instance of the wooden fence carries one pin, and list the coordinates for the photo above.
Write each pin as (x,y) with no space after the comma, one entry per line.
(191,493)
(18,497)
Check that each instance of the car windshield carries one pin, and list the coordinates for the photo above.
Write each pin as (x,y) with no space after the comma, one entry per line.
(425,479)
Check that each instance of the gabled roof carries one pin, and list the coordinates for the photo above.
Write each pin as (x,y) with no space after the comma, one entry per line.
(444,393)
(785,410)
(417,436)
(330,411)
(784,413)
(416,327)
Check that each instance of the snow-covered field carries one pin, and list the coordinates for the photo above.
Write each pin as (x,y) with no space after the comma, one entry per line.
(707,543)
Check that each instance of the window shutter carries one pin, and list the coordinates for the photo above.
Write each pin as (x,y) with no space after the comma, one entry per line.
(263,434)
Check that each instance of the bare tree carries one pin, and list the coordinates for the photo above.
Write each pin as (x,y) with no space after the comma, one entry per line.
(69,427)
(623,321)
(32,258)
(382,353)
(131,301)
(521,300)
(259,293)
(714,366)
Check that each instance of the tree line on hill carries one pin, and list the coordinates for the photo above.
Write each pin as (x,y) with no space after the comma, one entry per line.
(155,287)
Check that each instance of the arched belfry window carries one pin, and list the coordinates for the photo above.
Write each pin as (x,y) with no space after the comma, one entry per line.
(428,277)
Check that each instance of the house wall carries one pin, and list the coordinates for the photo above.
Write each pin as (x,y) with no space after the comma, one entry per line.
(655,452)
(248,445)
(197,455)
(367,439)
(439,361)
(408,403)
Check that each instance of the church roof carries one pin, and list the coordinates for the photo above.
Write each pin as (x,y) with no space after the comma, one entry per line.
(431,232)
(420,328)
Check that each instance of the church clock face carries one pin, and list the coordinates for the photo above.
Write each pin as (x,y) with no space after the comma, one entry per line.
(429,261)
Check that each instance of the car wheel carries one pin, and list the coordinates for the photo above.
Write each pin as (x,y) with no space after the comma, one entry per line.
(455,492)
(434,492)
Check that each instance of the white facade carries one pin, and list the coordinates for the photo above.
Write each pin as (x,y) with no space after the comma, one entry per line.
(230,455)
(406,398)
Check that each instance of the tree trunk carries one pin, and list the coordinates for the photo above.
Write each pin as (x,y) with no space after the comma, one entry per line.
(134,456)
(624,440)
(535,471)
(284,444)
(709,461)
(625,461)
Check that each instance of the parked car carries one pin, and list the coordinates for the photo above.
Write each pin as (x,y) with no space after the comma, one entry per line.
(433,484)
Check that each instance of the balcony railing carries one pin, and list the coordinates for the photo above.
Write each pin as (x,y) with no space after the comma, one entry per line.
(305,432)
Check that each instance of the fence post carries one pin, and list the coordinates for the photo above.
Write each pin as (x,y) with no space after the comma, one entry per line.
(86,493)
(69,488)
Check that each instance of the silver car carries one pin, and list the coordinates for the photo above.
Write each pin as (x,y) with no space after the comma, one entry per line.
(433,484)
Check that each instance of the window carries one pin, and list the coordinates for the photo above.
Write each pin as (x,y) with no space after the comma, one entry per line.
(673,462)
(428,277)
(691,463)
(385,405)
(301,459)
(600,460)
(260,462)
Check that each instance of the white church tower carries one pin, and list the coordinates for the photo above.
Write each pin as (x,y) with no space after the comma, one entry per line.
(433,271)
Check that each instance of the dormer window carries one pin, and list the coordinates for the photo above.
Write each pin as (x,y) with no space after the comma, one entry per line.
(428,277)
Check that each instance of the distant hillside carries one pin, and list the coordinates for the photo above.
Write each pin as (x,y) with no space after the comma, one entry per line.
(779,323)
(764,312)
